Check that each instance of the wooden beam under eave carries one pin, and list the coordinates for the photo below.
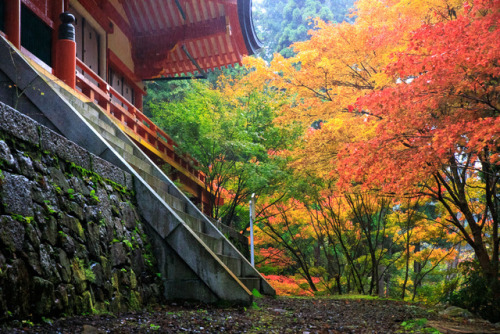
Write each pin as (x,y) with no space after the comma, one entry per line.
(98,14)
(117,18)
(227,2)
(161,42)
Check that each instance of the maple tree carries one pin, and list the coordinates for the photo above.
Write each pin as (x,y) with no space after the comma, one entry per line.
(413,223)
(398,157)
(287,226)
(437,128)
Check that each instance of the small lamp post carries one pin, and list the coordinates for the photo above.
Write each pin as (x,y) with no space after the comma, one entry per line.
(252,219)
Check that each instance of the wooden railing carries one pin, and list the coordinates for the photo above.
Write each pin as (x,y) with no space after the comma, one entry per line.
(137,125)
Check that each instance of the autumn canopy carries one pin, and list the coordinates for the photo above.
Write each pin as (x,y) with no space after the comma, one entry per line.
(398,157)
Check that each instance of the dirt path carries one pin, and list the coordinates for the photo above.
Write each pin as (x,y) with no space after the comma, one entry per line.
(280,315)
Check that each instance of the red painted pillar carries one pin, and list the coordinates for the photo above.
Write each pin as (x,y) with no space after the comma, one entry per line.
(13,22)
(138,99)
(65,66)
(57,9)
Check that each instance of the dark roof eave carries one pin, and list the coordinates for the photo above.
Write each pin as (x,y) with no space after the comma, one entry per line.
(252,42)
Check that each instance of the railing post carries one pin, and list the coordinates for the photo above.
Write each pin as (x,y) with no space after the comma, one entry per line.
(65,67)
(13,22)
(138,100)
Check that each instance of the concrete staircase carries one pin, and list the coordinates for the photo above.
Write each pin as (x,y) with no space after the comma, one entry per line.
(181,205)
(195,259)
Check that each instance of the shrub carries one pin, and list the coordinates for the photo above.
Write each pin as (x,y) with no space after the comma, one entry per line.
(476,294)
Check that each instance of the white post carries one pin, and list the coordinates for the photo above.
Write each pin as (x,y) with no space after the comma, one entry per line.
(252,219)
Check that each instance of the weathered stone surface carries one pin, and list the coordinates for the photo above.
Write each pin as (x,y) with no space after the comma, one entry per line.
(64,266)
(129,215)
(61,230)
(118,255)
(118,227)
(34,262)
(68,244)
(98,272)
(11,233)
(59,179)
(455,311)
(44,192)
(92,238)
(129,181)
(79,280)
(48,264)
(108,171)
(25,165)
(34,235)
(6,157)
(106,267)
(17,288)
(61,298)
(73,209)
(15,194)
(43,296)
(138,261)
(18,125)
(104,206)
(65,149)
(79,186)
(49,231)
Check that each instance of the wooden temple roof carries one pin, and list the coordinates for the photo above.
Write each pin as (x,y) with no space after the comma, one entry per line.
(175,37)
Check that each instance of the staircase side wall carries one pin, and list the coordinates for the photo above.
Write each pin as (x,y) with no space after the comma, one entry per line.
(71,237)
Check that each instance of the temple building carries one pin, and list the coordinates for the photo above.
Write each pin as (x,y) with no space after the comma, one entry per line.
(120,43)
(77,67)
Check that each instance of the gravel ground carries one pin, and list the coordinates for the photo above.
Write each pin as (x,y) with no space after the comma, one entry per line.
(268,315)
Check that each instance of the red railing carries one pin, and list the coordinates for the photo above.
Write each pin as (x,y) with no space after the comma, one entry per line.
(137,125)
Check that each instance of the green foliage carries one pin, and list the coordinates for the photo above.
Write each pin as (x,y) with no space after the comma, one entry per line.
(154,327)
(256,293)
(254,306)
(230,138)
(27,323)
(279,23)
(23,219)
(94,196)
(87,271)
(128,243)
(417,326)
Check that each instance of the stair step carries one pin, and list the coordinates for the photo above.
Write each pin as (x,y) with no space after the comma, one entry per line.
(195,224)
(233,263)
(251,282)
(139,165)
(173,201)
(102,125)
(116,142)
(213,243)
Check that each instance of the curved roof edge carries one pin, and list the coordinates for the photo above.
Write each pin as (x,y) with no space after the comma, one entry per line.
(252,42)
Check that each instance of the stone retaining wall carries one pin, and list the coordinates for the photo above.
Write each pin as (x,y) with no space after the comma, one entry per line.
(71,238)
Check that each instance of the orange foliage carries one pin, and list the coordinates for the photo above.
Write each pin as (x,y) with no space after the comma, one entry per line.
(290,286)
(275,257)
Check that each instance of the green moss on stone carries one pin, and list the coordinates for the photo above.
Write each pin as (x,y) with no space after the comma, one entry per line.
(134,302)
